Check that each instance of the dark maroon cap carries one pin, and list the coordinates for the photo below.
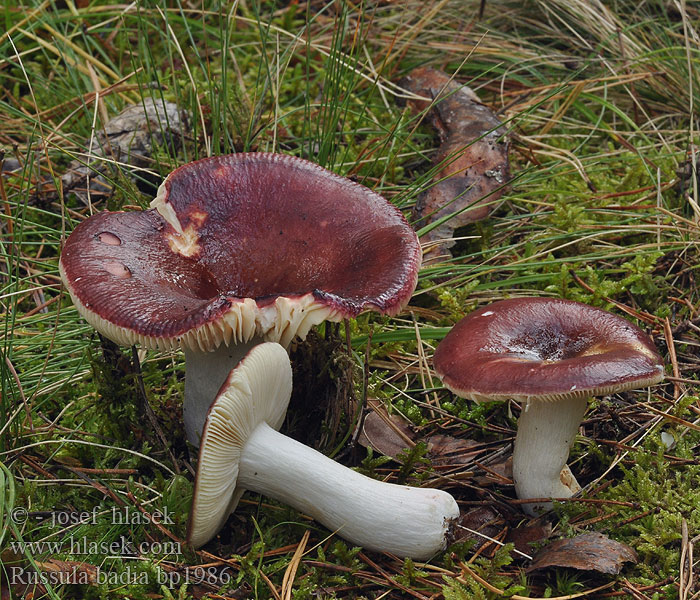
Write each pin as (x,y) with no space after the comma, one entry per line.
(547,349)
(241,245)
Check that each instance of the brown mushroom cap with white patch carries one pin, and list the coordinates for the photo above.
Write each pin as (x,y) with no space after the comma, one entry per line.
(551,355)
(238,246)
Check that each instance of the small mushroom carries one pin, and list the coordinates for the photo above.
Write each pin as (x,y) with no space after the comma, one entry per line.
(241,449)
(551,355)
(235,250)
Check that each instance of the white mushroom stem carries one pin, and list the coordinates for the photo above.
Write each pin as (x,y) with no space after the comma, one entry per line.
(241,450)
(546,432)
(403,520)
(205,373)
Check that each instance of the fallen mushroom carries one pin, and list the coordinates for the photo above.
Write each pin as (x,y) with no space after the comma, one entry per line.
(235,250)
(472,158)
(551,355)
(241,449)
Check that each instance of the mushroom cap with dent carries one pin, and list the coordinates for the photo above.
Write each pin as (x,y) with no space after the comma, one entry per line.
(237,246)
(256,391)
(545,349)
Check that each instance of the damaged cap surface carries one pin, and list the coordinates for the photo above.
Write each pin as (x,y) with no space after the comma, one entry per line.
(241,245)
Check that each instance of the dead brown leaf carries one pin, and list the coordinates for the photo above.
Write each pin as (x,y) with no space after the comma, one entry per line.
(445,450)
(473,157)
(586,552)
(129,138)
(68,571)
(387,434)
(480,524)
(522,537)
(390,435)
(499,473)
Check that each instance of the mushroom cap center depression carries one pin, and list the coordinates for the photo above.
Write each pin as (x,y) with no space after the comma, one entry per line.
(246,230)
(544,348)
(547,346)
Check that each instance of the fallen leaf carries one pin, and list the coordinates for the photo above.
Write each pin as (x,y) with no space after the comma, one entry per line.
(12,575)
(68,571)
(499,473)
(19,582)
(522,537)
(472,158)
(445,450)
(384,433)
(391,435)
(481,524)
(586,552)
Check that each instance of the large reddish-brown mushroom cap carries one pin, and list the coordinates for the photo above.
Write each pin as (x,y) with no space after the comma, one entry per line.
(547,349)
(237,246)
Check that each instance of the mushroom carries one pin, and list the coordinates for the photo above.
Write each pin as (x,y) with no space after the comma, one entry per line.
(235,250)
(551,355)
(241,449)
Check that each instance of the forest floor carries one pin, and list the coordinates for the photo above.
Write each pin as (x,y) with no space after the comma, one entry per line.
(599,101)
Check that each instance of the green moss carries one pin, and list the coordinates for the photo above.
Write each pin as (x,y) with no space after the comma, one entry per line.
(662,496)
